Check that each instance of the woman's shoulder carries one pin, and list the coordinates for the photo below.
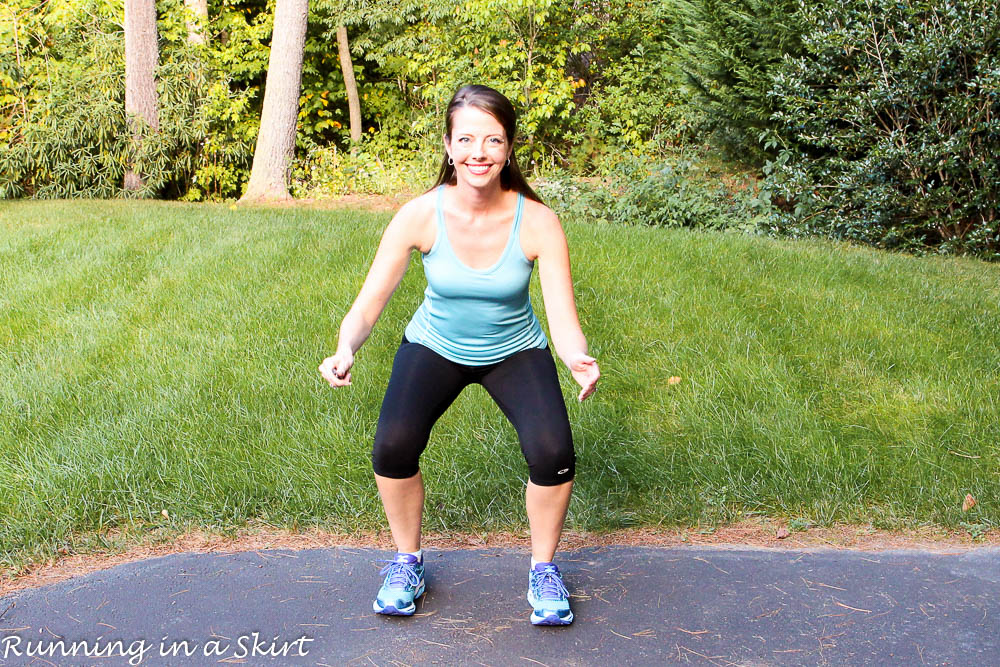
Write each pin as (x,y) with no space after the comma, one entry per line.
(538,223)
(416,220)
(419,205)
(539,212)
(538,219)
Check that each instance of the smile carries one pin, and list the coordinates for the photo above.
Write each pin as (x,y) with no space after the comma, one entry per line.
(478,169)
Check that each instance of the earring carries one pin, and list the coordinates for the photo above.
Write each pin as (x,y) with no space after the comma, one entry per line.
(508,162)
(450,161)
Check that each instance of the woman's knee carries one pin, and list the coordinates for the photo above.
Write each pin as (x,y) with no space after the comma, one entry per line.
(550,456)
(396,451)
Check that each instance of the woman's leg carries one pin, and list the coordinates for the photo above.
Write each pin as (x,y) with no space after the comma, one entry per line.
(403,501)
(526,387)
(422,386)
(546,507)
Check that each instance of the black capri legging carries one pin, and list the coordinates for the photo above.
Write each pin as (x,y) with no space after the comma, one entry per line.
(525,386)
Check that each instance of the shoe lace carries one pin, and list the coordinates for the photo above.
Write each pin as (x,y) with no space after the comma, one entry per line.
(400,574)
(549,585)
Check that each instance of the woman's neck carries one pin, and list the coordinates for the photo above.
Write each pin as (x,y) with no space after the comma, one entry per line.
(478,201)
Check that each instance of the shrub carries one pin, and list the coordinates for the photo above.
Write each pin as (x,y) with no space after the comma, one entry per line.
(728,50)
(73,140)
(891,125)
(587,77)
(684,191)
(377,166)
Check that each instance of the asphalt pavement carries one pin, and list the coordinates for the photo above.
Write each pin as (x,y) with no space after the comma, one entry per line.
(633,606)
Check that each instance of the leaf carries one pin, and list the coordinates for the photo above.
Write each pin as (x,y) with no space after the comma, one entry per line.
(969,502)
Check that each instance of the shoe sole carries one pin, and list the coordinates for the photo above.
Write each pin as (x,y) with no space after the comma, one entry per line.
(551,620)
(390,610)
(548,619)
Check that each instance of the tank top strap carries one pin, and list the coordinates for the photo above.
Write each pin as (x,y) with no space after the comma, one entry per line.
(439,208)
(517,215)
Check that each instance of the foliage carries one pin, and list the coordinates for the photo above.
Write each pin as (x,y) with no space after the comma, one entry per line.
(870,120)
(728,51)
(73,139)
(635,95)
(521,48)
(684,191)
(376,166)
(891,125)
(585,74)
(634,106)
(235,56)
(222,161)
(589,78)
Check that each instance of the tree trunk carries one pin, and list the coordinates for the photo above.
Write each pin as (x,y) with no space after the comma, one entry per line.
(196,19)
(353,103)
(141,59)
(272,157)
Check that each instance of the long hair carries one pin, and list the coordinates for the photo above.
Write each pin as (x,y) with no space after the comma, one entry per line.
(497,105)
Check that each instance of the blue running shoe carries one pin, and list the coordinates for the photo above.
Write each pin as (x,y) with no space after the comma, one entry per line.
(404,583)
(548,596)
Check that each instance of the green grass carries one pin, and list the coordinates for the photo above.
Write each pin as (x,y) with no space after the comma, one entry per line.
(163,356)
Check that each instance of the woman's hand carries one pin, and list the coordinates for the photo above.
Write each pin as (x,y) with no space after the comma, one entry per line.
(336,369)
(586,373)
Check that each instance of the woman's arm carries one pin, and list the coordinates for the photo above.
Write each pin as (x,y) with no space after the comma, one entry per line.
(399,239)
(386,272)
(560,305)
(557,286)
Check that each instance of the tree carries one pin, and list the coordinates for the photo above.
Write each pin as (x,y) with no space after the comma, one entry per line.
(141,59)
(353,103)
(729,50)
(272,159)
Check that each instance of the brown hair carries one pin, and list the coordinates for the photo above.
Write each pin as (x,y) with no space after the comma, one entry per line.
(497,105)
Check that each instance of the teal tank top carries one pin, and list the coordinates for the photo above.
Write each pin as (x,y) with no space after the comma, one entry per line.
(476,317)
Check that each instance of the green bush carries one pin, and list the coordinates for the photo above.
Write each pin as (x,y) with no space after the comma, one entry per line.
(73,139)
(590,80)
(72,142)
(728,50)
(891,126)
(684,191)
(587,78)
(377,166)
(77,142)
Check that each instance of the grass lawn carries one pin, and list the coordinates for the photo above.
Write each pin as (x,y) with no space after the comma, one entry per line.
(162,356)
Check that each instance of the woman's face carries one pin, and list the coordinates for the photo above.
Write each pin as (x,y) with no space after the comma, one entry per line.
(478,146)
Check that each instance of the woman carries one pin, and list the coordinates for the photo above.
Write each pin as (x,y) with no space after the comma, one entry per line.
(479,230)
